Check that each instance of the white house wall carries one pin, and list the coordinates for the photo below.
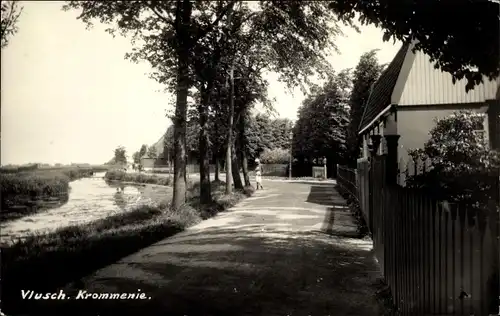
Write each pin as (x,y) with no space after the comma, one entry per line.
(427,85)
(414,126)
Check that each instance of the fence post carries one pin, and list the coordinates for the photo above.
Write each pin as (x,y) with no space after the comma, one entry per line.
(391,161)
(494,277)
(373,153)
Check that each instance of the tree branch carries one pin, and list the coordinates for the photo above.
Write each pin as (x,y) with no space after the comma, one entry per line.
(163,18)
(217,20)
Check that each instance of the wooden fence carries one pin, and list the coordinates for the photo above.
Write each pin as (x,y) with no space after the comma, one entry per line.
(438,258)
(412,167)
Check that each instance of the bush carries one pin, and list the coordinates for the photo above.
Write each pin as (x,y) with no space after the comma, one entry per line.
(47,262)
(77,173)
(119,175)
(462,166)
(275,156)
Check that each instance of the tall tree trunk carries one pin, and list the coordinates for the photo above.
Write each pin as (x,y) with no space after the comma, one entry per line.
(205,189)
(236,148)
(238,184)
(244,162)
(183,20)
(229,178)
(217,170)
(243,148)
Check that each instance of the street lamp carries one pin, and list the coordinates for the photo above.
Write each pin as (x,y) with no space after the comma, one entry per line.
(291,156)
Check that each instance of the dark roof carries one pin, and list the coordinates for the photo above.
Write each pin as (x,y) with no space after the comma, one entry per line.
(380,96)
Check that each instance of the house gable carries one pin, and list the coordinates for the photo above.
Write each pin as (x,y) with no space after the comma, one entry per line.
(159,145)
(381,95)
(428,85)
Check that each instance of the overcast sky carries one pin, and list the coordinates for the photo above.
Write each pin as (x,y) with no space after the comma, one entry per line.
(68,95)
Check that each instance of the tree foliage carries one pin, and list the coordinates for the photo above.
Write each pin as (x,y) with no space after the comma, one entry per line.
(10,11)
(152,152)
(143,150)
(140,153)
(136,157)
(366,73)
(322,120)
(291,38)
(165,34)
(462,166)
(120,156)
(461,36)
(265,133)
(192,138)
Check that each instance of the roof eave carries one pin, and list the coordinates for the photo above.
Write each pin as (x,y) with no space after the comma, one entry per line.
(387,110)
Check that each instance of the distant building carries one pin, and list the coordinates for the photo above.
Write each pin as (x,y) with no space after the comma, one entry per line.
(161,161)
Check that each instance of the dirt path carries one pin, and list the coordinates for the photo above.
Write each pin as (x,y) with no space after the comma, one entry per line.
(288,250)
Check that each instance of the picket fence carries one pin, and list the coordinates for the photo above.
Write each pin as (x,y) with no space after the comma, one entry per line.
(438,258)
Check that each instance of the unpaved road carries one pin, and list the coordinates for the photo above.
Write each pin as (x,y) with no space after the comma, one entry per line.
(288,250)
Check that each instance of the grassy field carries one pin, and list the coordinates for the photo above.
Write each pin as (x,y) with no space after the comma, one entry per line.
(45,263)
(26,191)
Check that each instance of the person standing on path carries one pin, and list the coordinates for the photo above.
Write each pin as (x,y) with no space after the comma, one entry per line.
(258,174)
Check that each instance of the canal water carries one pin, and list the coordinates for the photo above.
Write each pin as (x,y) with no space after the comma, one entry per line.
(89,199)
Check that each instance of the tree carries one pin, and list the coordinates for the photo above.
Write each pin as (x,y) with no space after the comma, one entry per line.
(280,130)
(247,40)
(251,89)
(263,133)
(143,150)
(191,139)
(152,152)
(10,15)
(467,46)
(120,155)
(165,34)
(320,130)
(136,157)
(366,73)
(461,162)
(139,154)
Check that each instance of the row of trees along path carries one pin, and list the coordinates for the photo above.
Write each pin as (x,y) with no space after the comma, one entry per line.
(219,50)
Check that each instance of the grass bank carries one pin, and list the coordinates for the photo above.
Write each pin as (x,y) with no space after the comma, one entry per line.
(137,177)
(46,263)
(26,192)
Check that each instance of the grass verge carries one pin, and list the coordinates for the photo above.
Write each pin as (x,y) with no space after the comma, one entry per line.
(46,263)
(119,175)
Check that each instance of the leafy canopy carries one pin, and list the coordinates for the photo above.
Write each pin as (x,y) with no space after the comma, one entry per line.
(461,36)
(322,120)
(120,155)
(366,73)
